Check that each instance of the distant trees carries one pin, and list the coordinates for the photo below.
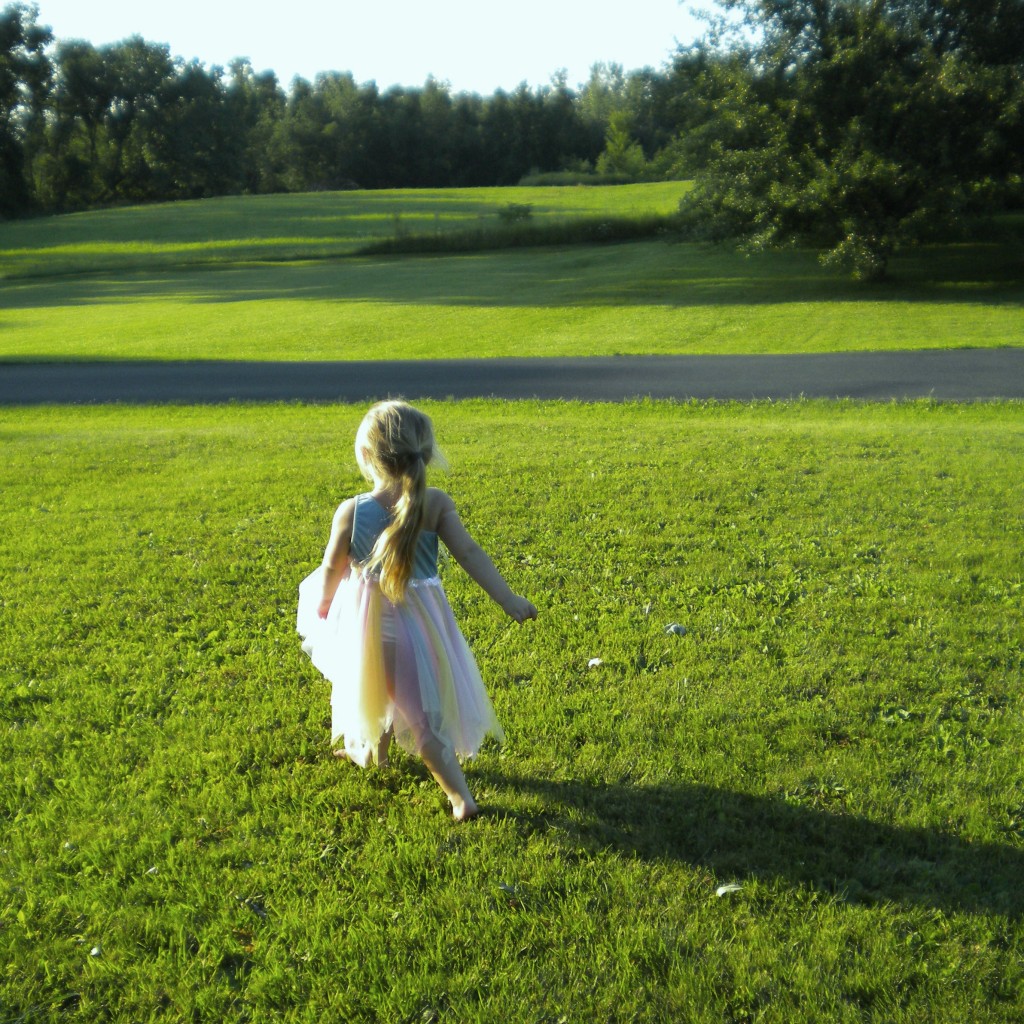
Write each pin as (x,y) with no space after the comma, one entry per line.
(82,125)
(338,134)
(24,74)
(129,122)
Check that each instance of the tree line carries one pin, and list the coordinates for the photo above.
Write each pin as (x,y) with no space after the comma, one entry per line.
(853,125)
(82,125)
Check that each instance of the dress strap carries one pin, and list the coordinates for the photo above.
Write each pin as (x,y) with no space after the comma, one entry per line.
(355,516)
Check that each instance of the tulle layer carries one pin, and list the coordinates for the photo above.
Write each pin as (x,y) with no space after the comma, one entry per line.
(404,666)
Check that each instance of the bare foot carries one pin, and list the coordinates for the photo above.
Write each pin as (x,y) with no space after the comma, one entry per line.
(343,755)
(464,810)
(384,748)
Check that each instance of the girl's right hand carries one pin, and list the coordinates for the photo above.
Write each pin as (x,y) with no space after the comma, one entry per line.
(519,608)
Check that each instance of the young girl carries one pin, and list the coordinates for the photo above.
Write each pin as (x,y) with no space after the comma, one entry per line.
(375,619)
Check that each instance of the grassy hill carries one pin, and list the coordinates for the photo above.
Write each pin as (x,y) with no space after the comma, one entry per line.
(233,230)
(278,277)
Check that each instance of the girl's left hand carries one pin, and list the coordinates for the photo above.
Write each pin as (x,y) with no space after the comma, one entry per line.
(519,609)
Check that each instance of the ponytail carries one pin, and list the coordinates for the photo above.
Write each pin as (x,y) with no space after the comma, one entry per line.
(394,443)
(395,551)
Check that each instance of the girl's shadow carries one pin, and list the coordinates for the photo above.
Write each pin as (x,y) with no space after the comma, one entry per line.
(738,835)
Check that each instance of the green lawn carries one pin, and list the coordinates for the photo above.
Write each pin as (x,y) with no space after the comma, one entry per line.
(837,733)
(285,227)
(652,297)
(639,298)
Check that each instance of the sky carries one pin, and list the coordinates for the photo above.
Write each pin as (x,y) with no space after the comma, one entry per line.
(473,45)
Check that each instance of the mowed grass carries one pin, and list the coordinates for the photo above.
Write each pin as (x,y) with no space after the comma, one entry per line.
(653,297)
(833,731)
(239,229)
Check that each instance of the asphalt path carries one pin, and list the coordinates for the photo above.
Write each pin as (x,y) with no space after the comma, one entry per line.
(958,375)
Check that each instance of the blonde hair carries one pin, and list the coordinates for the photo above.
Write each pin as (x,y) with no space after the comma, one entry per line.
(394,445)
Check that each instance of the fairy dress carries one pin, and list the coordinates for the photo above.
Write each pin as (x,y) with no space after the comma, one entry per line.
(402,665)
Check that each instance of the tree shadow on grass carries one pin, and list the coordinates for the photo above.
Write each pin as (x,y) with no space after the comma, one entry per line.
(738,835)
(633,274)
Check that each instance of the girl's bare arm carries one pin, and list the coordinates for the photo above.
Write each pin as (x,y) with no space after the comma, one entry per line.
(468,553)
(336,562)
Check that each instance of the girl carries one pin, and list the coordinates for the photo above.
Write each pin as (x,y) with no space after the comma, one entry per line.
(375,619)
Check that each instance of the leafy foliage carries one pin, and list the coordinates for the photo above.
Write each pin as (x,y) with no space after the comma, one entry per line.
(861,127)
(24,73)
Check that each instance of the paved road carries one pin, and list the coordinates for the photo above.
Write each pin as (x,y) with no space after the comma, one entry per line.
(947,375)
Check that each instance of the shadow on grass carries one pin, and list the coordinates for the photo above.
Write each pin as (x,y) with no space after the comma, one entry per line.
(737,836)
(632,274)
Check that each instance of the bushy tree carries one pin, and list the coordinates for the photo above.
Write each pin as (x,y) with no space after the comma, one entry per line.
(24,84)
(862,125)
(614,101)
(194,149)
(622,155)
(67,171)
(142,75)
(255,108)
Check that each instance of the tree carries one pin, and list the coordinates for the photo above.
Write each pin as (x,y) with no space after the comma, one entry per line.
(414,126)
(24,83)
(142,74)
(332,135)
(194,148)
(603,95)
(622,155)
(67,173)
(256,108)
(863,125)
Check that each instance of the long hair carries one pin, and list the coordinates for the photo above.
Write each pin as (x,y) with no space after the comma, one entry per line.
(394,444)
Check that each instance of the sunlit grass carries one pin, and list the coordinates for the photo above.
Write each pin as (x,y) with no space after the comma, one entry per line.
(640,298)
(834,728)
(318,225)
(274,278)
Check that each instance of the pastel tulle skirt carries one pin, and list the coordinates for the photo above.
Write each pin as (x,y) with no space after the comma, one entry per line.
(403,666)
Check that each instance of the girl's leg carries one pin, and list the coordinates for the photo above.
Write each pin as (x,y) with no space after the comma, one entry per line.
(438,758)
(384,743)
(449,776)
(383,746)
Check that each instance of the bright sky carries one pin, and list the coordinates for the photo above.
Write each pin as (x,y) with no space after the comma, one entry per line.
(474,45)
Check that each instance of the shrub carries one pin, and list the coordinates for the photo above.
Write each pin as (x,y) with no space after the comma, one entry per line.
(516,213)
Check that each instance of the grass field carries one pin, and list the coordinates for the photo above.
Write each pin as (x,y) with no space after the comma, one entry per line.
(836,734)
(250,278)
(805,803)
(237,229)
